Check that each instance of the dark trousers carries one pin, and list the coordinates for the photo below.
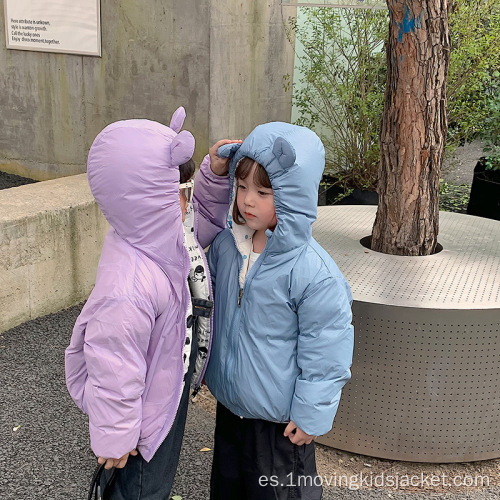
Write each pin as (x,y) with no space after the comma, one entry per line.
(254,461)
(141,480)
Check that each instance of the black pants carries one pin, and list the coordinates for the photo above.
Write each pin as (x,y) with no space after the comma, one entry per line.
(254,461)
(141,480)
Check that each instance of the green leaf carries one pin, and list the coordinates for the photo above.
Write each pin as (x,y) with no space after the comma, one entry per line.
(343,77)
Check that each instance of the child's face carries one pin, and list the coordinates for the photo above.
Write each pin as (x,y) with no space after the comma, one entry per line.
(256,203)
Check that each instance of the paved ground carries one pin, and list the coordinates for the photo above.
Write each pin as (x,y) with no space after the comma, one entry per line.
(459,167)
(10,180)
(44,447)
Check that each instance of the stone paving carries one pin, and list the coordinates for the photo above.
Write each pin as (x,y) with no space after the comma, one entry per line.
(44,443)
(45,453)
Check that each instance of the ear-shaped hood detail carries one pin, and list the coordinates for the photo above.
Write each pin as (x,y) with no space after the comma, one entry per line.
(294,159)
(228,150)
(284,152)
(178,119)
(182,148)
(133,172)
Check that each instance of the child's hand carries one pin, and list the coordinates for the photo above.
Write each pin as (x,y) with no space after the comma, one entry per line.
(119,463)
(220,166)
(299,437)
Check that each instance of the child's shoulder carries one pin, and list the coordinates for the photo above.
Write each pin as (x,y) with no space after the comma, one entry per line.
(224,239)
(316,270)
(224,235)
(127,272)
(319,261)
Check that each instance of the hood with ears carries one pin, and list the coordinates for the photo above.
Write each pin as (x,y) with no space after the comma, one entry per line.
(133,173)
(294,159)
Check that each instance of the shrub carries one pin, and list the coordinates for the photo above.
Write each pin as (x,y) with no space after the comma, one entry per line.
(473,77)
(341,97)
(490,132)
(343,67)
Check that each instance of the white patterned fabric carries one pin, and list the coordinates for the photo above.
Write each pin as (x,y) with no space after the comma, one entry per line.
(199,287)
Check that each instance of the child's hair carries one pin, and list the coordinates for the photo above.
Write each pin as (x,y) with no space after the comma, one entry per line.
(260,178)
(186,171)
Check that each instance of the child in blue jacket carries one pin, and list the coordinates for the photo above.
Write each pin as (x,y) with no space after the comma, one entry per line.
(283,342)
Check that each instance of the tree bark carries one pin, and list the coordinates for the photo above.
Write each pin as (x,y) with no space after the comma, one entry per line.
(414,128)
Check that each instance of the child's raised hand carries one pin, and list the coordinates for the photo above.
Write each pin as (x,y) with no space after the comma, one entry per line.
(299,437)
(220,166)
(119,463)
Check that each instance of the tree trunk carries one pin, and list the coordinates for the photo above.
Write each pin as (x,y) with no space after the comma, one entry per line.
(414,128)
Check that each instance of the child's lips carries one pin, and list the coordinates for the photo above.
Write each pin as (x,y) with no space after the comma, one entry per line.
(249,215)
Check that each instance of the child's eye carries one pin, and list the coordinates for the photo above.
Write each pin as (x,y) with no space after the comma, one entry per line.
(241,186)
(263,193)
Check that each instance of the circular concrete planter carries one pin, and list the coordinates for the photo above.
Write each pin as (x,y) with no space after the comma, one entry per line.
(425,381)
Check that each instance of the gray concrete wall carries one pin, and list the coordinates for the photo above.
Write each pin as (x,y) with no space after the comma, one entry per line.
(222,60)
(154,58)
(249,56)
(51,235)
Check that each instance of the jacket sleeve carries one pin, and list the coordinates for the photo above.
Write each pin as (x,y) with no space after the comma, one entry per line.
(324,354)
(116,342)
(211,198)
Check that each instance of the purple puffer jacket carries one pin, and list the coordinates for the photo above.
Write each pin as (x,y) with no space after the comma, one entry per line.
(124,365)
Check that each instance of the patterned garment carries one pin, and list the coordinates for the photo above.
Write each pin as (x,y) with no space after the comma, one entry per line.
(198,285)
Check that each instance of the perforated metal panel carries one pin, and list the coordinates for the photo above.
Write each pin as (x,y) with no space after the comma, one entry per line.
(426,371)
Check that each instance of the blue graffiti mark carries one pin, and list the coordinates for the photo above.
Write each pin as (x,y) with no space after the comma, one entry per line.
(400,32)
(409,23)
(419,19)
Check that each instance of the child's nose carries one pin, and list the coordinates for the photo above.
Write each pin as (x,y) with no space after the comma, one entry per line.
(250,199)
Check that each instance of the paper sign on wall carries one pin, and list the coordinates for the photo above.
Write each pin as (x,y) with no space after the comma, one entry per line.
(68,26)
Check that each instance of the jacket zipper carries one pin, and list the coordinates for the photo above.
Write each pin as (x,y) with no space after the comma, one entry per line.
(179,396)
(235,324)
(248,280)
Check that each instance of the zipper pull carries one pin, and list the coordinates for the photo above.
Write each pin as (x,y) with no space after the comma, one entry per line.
(240,296)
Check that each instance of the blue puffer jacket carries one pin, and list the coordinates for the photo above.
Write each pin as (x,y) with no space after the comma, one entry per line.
(283,340)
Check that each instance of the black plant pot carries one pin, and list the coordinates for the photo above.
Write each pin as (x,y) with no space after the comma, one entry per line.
(360,197)
(329,191)
(485,192)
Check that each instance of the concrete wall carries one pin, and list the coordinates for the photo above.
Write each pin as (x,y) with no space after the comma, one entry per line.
(52,106)
(249,56)
(51,235)
(222,60)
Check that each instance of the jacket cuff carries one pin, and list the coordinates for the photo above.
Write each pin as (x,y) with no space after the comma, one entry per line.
(315,419)
(113,444)
(207,172)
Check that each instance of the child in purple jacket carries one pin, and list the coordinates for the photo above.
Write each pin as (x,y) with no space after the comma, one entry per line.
(134,346)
